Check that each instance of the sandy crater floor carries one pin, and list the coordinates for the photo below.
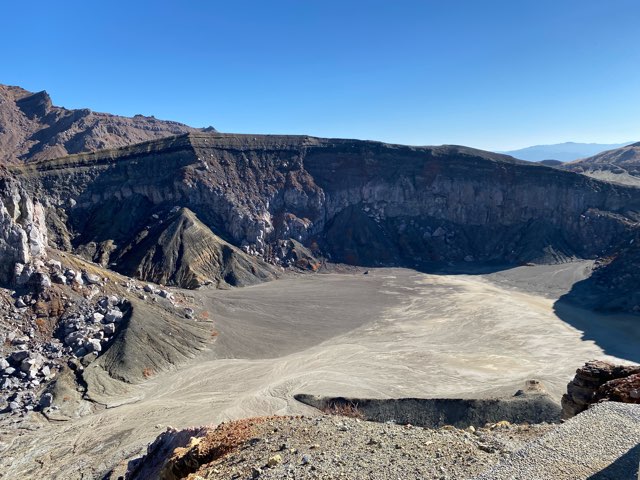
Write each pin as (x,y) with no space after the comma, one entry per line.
(392,333)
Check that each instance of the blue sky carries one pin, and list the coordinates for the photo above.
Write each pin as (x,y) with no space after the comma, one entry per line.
(485,73)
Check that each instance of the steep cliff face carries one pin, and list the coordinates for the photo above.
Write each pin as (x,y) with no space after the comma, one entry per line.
(359,202)
(32,128)
(23,233)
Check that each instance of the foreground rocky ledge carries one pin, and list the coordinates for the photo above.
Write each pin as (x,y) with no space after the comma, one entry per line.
(329,447)
(347,447)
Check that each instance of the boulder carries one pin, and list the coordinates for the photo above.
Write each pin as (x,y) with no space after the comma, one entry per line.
(626,390)
(597,381)
(90,278)
(109,329)
(18,356)
(113,316)
(46,400)
(93,345)
(59,278)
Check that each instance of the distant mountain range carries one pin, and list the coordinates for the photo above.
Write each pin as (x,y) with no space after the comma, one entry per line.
(621,165)
(564,152)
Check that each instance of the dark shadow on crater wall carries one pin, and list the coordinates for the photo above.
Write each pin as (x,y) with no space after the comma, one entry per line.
(617,333)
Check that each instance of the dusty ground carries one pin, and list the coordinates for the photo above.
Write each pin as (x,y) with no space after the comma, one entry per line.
(391,333)
(326,447)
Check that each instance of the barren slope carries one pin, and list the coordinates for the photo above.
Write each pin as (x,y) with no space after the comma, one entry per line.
(620,165)
(32,128)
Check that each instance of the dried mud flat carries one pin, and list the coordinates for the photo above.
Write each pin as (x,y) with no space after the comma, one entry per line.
(392,333)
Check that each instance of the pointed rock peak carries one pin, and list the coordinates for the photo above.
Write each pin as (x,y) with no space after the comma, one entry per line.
(183,251)
(35,105)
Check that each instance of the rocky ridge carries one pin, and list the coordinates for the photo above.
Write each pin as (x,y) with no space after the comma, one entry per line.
(32,128)
(363,203)
(620,165)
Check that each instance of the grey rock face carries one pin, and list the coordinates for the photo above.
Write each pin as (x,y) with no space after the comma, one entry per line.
(23,232)
(364,203)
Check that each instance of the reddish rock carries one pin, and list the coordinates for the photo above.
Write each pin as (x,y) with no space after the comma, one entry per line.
(626,390)
(599,381)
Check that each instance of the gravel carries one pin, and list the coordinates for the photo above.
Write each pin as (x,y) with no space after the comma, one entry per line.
(341,447)
(602,443)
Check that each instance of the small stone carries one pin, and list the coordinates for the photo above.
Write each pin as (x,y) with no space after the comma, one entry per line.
(13,406)
(275,460)
(306,459)
(93,345)
(18,356)
(46,400)
(20,340)
(44,281)
(91,278)
(55,264)
(20,303)
(3,364)
(97,317)
(109,329)
(59,278)
(113,316)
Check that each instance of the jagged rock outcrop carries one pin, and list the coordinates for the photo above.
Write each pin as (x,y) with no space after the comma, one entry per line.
(365,203)
(598,381)
(181,250)
(32,128)
(620,165)
(23,233)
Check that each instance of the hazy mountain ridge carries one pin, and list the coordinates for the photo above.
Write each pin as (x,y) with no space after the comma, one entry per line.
(564,152)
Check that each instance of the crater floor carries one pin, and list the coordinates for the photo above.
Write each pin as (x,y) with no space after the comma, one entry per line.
(391,333)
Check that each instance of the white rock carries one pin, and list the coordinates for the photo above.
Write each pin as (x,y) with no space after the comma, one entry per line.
(90,278)
(54,264)
(113,316)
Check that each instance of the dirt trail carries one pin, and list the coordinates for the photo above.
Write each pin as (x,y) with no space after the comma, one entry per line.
(393,333)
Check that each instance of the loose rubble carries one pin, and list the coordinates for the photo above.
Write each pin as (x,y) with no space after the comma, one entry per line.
(58,315)
(333,447)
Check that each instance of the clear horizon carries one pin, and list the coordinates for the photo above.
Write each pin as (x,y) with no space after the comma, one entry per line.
(498,76)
